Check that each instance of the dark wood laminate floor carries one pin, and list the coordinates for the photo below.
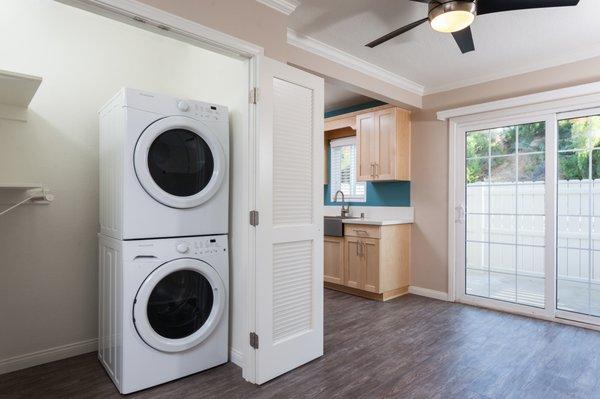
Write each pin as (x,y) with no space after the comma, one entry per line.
(411,347)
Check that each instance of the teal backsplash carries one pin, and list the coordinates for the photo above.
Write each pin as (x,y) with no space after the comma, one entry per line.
(393,193)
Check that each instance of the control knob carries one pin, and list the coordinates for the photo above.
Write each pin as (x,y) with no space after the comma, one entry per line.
(182,247)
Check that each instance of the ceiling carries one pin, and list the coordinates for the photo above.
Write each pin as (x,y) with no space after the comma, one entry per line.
(506,43)
(337,97)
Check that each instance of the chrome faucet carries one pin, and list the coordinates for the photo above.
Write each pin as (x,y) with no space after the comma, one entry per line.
(345,207)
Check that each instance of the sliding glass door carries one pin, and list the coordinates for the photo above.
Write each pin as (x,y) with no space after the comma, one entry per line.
(527,220)
(505,189)
(578,214)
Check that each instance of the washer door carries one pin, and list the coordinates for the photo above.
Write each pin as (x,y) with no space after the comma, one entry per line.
(179,305)
(179,162)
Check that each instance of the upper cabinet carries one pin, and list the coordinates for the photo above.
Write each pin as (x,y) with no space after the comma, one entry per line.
(383,145)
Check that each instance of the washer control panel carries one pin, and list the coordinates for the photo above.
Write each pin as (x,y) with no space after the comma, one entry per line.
(197,246)
(203,111)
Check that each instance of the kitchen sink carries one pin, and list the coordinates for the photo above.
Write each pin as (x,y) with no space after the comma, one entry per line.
(334,225)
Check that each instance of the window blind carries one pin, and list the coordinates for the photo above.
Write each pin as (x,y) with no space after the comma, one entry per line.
(343,171)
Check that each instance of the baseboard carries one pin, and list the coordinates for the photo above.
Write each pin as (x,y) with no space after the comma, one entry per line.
(47,355)
(236,356)
(442,296)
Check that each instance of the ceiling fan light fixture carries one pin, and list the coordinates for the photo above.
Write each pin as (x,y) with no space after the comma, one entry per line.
(451,16)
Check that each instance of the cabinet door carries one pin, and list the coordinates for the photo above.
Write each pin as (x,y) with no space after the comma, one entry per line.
(370,251)
(355,265)
(365,132)
(334,260)
(385,144)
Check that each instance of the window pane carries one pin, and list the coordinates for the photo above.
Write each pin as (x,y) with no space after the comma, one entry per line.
(531,291)
(503,286)
(572,135)
(573,165)
(477,227)
(503,169)
(478,144)
(477,170)
(503,140)
(532,137)
(478,282)
(532,168)
(343,173)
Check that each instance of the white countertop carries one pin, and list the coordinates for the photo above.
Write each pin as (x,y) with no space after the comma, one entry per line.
(374,222)
(375,215)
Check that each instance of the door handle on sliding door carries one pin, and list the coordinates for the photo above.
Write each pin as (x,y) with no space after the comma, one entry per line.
(459,214)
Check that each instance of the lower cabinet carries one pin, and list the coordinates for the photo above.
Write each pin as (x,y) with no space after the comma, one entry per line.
(333,250)
(374,262)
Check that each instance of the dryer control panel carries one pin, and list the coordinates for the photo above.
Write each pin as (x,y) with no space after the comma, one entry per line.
(166,105)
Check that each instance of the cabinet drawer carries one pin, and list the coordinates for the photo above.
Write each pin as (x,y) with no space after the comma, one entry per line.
(362,230)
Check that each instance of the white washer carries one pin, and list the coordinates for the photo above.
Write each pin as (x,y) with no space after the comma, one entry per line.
(164,165)
(163,308)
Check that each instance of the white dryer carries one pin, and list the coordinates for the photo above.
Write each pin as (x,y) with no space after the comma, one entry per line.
(164,165)
(163,308)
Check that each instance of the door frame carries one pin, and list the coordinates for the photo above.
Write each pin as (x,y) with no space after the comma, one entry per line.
(135,13)
(528,107)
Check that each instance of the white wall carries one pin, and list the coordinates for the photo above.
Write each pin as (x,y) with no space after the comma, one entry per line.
(48,254)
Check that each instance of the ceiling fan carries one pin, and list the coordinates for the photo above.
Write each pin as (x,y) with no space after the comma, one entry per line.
(456,16)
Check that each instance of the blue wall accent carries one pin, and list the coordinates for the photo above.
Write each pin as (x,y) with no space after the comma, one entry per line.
(354,108)
(392,193)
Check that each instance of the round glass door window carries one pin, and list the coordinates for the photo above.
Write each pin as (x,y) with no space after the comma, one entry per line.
(180,304)
(180,162)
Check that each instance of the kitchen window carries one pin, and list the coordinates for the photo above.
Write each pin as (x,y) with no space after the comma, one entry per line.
(343,171)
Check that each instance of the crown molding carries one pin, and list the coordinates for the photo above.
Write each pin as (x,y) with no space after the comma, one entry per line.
(348,60)
(284,6)
(579,91)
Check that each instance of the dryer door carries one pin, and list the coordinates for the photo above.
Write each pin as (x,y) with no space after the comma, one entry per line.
(179,162)
(179,305)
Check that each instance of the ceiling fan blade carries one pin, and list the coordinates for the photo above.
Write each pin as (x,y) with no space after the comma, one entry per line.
(490,6)
(395,33)
(464,39)
(422,1)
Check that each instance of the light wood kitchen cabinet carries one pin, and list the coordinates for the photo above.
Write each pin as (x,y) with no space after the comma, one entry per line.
(375,262)
(354,265)
(333,251)
(383,145)
(365,135)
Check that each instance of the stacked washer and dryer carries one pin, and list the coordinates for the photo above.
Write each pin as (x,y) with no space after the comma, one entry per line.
(163,248)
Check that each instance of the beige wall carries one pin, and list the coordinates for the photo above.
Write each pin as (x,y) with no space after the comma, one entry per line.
(48,262)
(429,266)
(256,23)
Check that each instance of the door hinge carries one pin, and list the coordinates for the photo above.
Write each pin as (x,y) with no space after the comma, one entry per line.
(254,340)
(254,95)
(254,218)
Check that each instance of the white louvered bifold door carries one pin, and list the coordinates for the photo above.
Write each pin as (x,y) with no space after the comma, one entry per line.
(289,237)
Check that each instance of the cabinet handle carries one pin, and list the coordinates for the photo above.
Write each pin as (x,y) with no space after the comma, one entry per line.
(358,231)
(372,170)
(376,169)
